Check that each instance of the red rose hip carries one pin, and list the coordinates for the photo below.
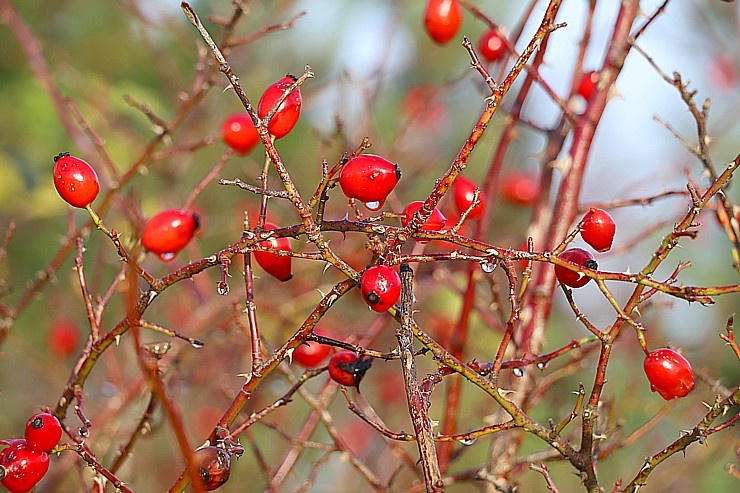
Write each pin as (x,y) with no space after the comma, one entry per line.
(669,373)
(520,188)
(311,353)
(286,116)
(43,432)
(597,229)
(278,266)
(491,45)
(166,233)
(381,287)
(442,20)
(369,179)
(75,180)
(587,84)
(580,257)
(21,467)
(239,133)
(463,191)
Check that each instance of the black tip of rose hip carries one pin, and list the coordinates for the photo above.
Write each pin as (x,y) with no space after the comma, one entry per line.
(406,268)
(398,171)
(359,369)
(60,156)
(197,219)
(372,297)
(591,264)
(291,76)
(286,279)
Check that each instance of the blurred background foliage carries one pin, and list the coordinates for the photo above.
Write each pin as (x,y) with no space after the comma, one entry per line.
(370,59)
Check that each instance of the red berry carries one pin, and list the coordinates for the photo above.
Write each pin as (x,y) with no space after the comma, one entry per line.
(63,338)
(442,19)
(435,222)
(669,373)
(491,45)
(369,179)
(347,368)
(581,258)
(278,266)
(166,233)
(381,287)
(43,432)
(587,84)
(520,188)
(463,190)
(21,467)
(214,466)
(311,353)
(239,133)
(286,116)
(75,180)
(597,229)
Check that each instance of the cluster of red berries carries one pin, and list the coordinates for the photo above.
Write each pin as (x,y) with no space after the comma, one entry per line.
(597,229)
(25,461)
(443,20)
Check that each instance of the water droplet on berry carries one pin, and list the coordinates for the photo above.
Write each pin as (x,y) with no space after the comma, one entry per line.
(374,206)
(488,267)
(468,441)
(167,257)
(518,372)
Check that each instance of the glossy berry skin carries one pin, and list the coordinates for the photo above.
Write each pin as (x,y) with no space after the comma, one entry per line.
(580,257)
(520,188)
(587,84)
(75,180)
(491,45)
(369,179)
(435,222)
(669,373)
(214,466)
(381,287)
(278,266)
(20,466)
(310,354)
(463,191)
(166,233)
(43,432)
(442,20)
(347,368)
(239,133)
(287,114)
(597,229)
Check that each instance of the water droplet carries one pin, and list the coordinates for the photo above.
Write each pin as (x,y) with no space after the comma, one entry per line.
(541,365)
(167,257)
(518,372)
(468,441)
(222,288)
(374,206)
(488,267)
(197,344)
(83,432)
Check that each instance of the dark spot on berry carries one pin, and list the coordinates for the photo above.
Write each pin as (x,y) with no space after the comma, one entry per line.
(372,298)
(37,423)
(591,264)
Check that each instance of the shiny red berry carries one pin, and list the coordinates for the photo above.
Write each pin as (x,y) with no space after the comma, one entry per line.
(43,432)
(75,180)
(491,45)
(348,368)
(669,373)
(597,229)
(214,466)
(587,84)
(435,222)
(239,133)
(463,190)
(21,467)
(278,266)
(310,354)
(520,188)
(286,116)
(381,287)
(442,19)
(369,179)
(581,258)
(166,233)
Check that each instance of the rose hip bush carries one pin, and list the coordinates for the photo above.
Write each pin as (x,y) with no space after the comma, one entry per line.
(535,292)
